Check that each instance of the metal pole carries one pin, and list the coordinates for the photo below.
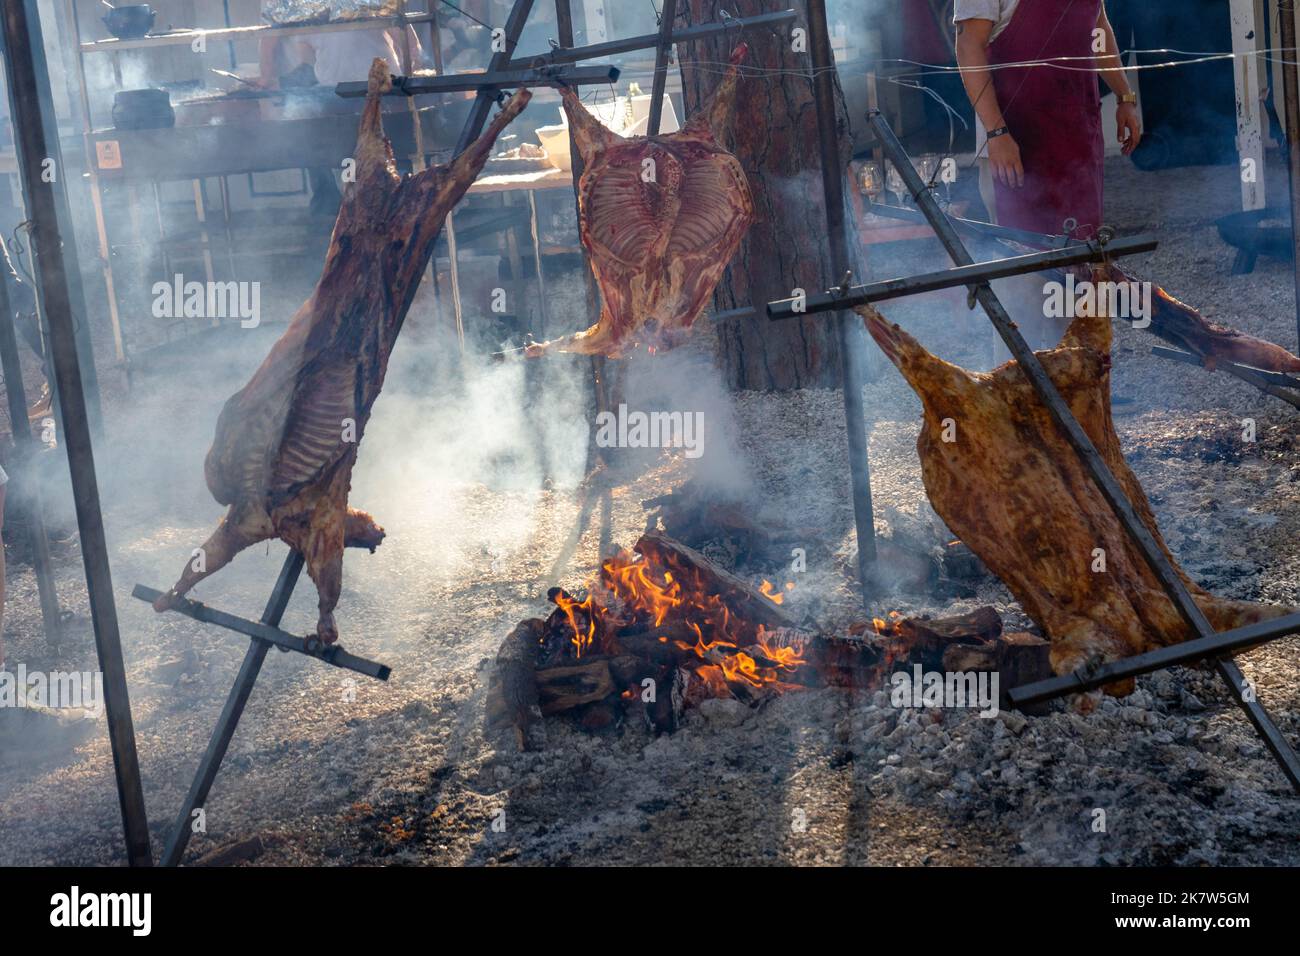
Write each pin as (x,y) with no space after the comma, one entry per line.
(823,64)
(484,99)
(662,51)
(34,146)
(1291,114)
(478,115)
(230,714)
(1105,480)
(30,490)
(42,104)
(564,26)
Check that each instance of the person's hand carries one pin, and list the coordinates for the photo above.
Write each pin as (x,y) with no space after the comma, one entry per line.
(1127,127)
(1004,157)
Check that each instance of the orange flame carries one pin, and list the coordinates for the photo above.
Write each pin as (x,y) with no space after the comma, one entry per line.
(630,591)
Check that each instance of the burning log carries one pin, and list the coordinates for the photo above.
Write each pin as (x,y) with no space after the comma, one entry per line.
(1014,490)
(687,564)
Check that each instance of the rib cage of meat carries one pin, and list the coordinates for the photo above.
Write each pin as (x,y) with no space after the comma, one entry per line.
(661,217)
(1016,493)
(286,442)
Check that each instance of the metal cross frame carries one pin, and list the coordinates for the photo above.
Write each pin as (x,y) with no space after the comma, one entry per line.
(265,634)
(1207,644)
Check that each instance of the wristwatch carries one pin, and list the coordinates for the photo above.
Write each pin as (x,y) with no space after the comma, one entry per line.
(1129,97)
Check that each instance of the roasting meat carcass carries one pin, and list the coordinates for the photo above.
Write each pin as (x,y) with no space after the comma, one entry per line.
(1179,323)
(286,442)
(1011,487)
(661,217)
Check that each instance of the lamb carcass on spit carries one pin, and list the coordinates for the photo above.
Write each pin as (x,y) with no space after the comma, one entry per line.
(661,217)
(1009,485)
(286,442)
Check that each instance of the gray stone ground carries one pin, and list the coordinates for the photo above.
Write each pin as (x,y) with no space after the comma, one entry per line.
(334,771)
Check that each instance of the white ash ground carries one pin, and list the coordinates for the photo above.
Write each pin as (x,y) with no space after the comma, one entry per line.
(404,773)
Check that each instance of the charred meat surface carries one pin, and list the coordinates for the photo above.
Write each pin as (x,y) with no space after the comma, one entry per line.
(661,217)
(1004,479)
(286,442)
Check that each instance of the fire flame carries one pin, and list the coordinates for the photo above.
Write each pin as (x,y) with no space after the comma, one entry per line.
(769,591)
(630,592)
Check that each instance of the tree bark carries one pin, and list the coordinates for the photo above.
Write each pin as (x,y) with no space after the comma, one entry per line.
(775,139)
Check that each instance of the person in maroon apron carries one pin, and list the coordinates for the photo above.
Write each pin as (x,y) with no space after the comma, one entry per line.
(1045,143)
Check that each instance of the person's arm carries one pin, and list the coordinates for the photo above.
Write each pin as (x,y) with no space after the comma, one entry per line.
(1128,128)
(973,58)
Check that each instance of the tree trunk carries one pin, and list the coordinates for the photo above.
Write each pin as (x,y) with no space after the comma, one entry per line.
(775,139)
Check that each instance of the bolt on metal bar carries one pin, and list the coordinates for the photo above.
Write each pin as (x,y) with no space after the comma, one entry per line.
(833,172)
(36,141)
(1073,432)
(971,276)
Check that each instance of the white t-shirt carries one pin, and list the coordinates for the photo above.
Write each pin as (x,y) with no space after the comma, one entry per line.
(344,56)
(999,11)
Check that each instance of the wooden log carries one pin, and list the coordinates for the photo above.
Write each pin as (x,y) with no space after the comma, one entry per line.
(831,661)
(695,515)
(1023,658)
(564,688)
(929,638)
(664,712)
(694,569)
(961,563)
(662,645)
(512,691)
(1017,658)
(906,563)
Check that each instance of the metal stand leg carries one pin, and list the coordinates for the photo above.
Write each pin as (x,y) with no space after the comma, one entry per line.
(264,634)
(32,500)
(850,373)
(36,134)
(230,714)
